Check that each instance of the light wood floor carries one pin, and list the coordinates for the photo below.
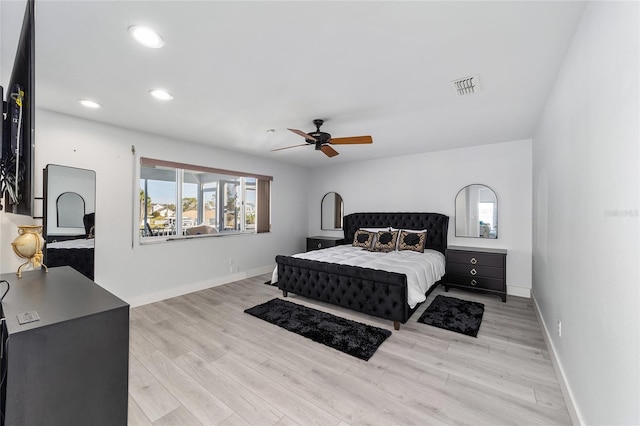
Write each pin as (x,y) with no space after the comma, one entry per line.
(199,359)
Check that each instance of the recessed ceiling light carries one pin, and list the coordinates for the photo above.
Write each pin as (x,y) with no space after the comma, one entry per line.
(161,94)
(89,103)
(146,36)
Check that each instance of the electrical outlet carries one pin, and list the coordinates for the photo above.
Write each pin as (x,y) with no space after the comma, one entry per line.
(559,328)
(27,317)
(234,269)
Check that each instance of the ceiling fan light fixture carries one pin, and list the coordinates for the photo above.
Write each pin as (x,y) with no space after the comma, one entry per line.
(161,94)
(146,36)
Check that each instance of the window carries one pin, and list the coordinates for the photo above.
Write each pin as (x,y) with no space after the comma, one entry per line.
(180,200)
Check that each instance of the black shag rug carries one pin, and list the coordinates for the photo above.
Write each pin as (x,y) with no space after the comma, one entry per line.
(353,338)
(454,314)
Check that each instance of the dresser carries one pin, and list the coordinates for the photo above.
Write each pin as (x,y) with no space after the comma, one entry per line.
(65,352)
(317,243)
(478,269)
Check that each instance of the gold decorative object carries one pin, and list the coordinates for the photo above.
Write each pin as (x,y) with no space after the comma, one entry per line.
(28,245)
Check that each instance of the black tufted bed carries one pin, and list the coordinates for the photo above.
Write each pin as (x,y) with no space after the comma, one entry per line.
(375,292)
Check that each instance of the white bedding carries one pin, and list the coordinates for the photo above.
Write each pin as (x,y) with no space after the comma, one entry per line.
(80,243)
(422,269)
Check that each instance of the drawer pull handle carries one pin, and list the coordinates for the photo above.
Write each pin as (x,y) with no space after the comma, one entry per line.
(473,272)
(319,245)
(473,261)
(474,282)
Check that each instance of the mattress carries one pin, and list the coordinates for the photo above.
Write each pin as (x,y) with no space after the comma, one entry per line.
(80,243)
(422,269)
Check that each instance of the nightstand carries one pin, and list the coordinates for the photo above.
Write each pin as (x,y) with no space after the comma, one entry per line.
(477,269)
(317,243)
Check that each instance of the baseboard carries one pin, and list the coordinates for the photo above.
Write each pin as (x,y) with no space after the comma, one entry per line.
(518,291)
(202,285)
(261,270)
(576,417)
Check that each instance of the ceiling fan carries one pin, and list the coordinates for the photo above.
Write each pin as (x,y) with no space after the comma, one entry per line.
(322,140)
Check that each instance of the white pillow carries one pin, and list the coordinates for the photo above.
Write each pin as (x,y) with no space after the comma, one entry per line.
(411,231)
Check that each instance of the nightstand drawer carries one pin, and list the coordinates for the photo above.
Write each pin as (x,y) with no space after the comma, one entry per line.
(317,243)
(475,259)
(476,282)
(475,270)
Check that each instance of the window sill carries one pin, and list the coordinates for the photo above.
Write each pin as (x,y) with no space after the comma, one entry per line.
(160,240)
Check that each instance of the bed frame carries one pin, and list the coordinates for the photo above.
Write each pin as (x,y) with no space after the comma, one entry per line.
(80,259)
(375,292)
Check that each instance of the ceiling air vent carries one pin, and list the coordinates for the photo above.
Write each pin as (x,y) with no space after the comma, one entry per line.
(466,86)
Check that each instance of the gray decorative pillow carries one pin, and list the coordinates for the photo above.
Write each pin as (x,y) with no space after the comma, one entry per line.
(363,239)
(412,241)
(386,241)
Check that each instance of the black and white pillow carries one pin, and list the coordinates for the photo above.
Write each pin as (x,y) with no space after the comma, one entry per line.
(385,241)
(413,241)
(363,239)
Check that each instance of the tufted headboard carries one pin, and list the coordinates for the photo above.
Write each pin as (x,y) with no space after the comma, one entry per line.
(436,225)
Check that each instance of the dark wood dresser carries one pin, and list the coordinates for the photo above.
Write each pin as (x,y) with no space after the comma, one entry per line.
(65,356)
(317,243)
(477,269)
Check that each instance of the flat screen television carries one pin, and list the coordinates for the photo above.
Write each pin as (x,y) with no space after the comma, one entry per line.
(17,161)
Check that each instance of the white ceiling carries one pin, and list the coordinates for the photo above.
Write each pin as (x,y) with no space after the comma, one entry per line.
(238,68)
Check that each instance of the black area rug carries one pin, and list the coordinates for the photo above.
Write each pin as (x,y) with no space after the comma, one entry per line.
(454,314)
(353,338)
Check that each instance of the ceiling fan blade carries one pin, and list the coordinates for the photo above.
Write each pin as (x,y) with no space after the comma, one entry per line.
(292,146)
(351,140)
(329,152)
(303,134)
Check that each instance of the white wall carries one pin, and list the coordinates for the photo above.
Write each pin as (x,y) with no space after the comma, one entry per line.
(140,273)
(585,230)
(429,182)
(11,15)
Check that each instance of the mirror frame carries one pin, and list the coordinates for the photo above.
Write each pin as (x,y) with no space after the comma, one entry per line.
(491,233)
(325,227)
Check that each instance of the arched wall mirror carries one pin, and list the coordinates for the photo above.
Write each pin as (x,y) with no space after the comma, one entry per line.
(69,218)
(70,207)
(477,212)
(332,210)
